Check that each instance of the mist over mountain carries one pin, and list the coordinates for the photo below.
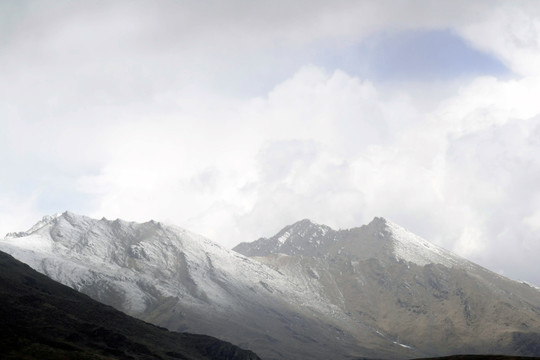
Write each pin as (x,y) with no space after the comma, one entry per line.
(377,291)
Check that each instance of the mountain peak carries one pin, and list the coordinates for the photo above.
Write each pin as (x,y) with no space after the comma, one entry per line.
(45,220)
(302,237)
(379,219)
(69,213)
(72,217)
(304,222)
(305,226)
(378,222)
(380,236)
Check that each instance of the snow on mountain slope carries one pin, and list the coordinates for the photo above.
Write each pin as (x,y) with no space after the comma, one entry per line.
(413,248)
(308,292)
(174,278)
(70,247)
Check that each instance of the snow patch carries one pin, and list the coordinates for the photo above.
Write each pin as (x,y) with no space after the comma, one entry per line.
(403,345)
(413,248)
(283,238)
(530,285)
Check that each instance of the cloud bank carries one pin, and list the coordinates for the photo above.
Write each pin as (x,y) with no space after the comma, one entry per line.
(233,120)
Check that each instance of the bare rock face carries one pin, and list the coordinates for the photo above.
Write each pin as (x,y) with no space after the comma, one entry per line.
(376,291)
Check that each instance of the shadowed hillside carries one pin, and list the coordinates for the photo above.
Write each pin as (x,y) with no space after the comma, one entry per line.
(43,319)
(480,357)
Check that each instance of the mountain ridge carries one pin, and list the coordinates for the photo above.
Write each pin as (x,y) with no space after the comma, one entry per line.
(406,245)
(134,267)
(310,292)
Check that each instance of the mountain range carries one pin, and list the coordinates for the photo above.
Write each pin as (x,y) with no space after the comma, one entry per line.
(376,291)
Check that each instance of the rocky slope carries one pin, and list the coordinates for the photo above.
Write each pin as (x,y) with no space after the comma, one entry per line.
(308,292)
(411,291)
(42,319)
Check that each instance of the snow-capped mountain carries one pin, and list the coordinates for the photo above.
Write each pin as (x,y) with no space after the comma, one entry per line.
(411,291)
(302,237)
(308,292)
(308,239)
(140,261)
(183,281)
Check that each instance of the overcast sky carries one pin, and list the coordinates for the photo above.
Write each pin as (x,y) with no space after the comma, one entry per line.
(234,119)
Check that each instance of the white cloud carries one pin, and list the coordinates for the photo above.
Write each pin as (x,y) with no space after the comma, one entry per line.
(517,43)
(292,144)
(470,242)
(18,213)
(211,118)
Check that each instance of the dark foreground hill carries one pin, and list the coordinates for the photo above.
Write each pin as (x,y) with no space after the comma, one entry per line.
(480,357)
(43,319)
